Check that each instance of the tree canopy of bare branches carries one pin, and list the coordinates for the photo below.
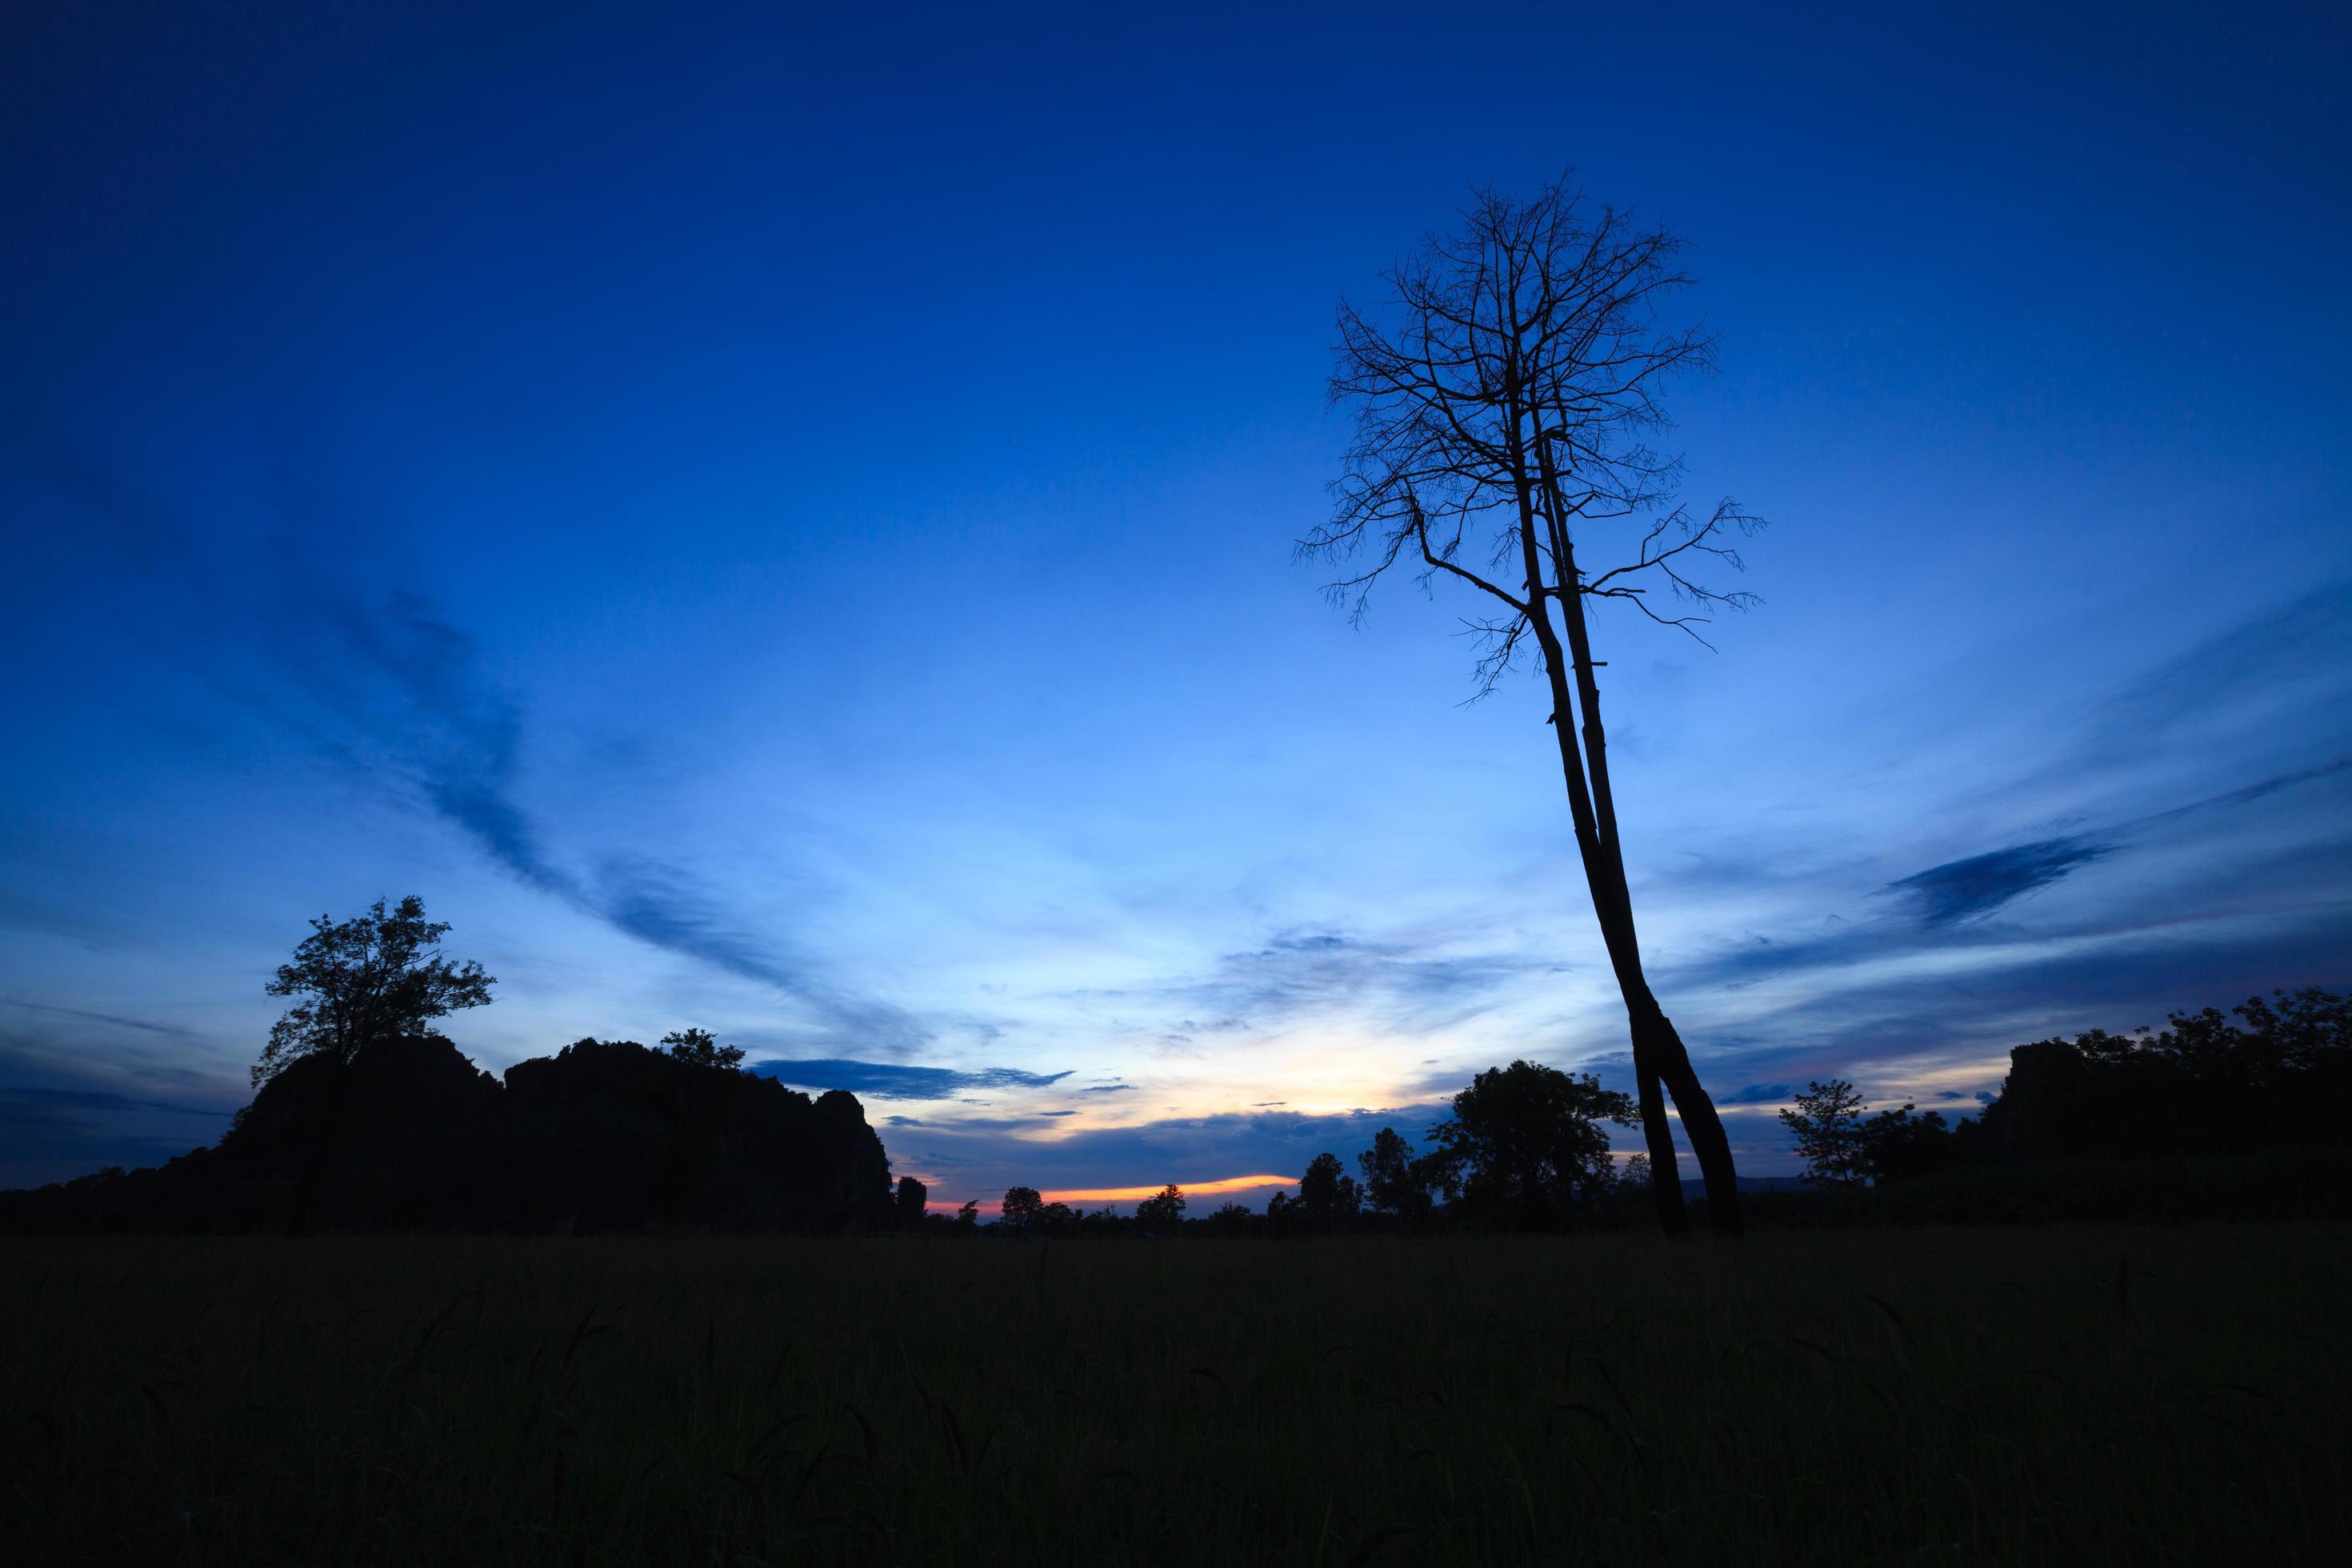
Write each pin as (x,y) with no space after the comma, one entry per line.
(1505,402)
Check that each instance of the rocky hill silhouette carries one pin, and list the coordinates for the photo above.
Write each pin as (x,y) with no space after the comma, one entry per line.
(411,1136)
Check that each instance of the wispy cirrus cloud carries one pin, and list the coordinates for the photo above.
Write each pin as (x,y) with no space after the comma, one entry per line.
(63,1114)
(116,1020)
(381,683)
(900,1080)
(52,1134)
(390,686)
(2291,660)
(1399,985)
(1947,909)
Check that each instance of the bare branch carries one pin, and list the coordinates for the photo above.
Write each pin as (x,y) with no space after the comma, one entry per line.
(1535,326)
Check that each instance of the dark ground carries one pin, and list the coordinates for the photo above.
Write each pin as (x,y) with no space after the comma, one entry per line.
(2052,1395)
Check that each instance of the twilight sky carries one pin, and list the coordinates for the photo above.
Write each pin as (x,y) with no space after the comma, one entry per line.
(784,522)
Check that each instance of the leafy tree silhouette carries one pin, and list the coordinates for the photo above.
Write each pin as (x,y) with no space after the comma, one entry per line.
(1400,1182)
(911,1195)
(2268,1073)
(1021,1210)
(1633,1176)
(1164,1211)
(1899,1144)
(359,983)
(699,1047)
(1327,1195)
(1528,1142)
(374,977)
(1827,1121)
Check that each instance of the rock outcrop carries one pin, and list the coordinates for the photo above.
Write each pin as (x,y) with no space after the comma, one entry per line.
(604,1136)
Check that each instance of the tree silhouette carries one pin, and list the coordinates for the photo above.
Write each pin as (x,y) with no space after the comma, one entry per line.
(2267,1073)
(1398,1182)
(1163,1211)
(1387,1167)
(1899,1144)
(1528,1142)
(1499,425)
(1327,1192)
(700,1049)
(1843,1148)
(370,978)
(911,1195)
(1827,1121)
(1021,1208)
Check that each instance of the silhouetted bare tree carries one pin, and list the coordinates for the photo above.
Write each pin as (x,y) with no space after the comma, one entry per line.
(1500,424)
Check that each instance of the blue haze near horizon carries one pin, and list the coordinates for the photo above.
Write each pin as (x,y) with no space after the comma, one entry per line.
(784,524)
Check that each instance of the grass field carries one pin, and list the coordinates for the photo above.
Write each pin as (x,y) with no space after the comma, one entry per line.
(2038,1396)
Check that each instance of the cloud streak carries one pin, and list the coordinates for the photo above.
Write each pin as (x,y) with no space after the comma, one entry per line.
(900,1080)
(59,1119)
(172,1031)
(1395,986)
(387,686)
(1973,888)
(407,700)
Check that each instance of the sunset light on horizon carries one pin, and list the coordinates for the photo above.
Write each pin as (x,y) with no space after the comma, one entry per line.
(1224,1186)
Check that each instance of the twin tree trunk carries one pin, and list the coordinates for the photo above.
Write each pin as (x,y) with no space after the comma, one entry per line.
(1513,397)
(1658,1053)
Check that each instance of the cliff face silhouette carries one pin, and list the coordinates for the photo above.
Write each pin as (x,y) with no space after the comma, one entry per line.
(604,1136)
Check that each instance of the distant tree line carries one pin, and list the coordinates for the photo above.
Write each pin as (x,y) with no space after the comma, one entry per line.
(2245,1113)
(2249,1112)
(2266,1075)
(1523,1149)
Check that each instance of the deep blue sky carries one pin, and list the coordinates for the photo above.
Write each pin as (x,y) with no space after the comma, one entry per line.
(785,522)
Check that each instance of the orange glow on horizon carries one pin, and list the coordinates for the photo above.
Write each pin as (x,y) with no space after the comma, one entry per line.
(1218,1188)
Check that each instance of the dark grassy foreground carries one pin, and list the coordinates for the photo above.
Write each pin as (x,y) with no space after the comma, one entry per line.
(2047,1396)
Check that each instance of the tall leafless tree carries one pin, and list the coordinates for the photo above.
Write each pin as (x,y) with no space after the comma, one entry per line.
(1503,404)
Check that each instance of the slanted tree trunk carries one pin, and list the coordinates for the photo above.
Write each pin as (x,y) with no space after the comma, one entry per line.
(1602,876)
(1596,846)
(1658,1051)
